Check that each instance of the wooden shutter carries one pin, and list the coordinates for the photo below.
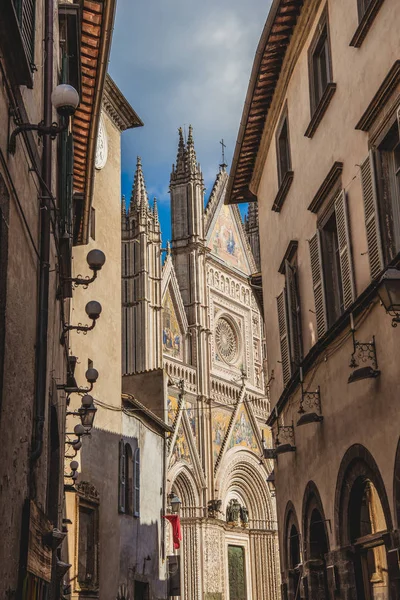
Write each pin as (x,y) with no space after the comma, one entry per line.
(136,484)
(368,183)
(318,284)
(293,311)
(346,263)
(121,477)
(283,336)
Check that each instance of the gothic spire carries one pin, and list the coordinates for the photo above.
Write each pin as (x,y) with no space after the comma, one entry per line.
(191,160)
(123,205)
(155,211)
(180,158)
(139,200)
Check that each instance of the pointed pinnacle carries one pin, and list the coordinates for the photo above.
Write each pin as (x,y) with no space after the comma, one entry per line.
(190,136)
(155,210)
(180,158)
(139,198)
(123,204)
(191,153)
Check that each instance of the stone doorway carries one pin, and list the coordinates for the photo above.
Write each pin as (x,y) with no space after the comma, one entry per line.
(237,573)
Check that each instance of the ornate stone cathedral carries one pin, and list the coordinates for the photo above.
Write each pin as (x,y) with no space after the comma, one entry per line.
(197,320)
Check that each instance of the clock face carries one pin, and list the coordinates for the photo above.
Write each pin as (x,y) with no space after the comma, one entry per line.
(102,146)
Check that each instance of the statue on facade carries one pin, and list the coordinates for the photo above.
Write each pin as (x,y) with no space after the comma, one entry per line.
(232,512)
(213,508)
(244,516)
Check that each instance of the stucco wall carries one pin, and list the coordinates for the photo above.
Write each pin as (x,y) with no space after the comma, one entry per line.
(17,407)
(364,412)
(358,74)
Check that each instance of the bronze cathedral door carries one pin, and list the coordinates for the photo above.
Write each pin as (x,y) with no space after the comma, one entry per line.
(237,573)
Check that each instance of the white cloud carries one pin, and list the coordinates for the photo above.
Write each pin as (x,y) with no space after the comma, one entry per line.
(180,62)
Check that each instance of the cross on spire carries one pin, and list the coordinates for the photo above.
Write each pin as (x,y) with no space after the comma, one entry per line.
(223,165)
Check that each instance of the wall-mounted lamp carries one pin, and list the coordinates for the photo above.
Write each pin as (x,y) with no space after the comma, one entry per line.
(91,375)
(389,294)
(310,405)
(95,260)
(175,503)
(86,412)
(65,100)
(271,483)
(287,434)
(362,352)
(93,310)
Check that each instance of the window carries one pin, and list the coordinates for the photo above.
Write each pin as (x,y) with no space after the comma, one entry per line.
(388,159)
(92,223)
(367,520)
(331,265)
(362,7)
(129,480)
(282,147)
(332,271)
(136,497)
(285,173)
(320,67)
(87,536)
(367,11)
(380,180)
(289,315)
(321,83)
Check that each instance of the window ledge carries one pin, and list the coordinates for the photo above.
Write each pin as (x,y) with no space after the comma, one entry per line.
(283,191)
(320,110)
(365,23)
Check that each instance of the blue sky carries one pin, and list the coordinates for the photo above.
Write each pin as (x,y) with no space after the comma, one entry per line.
(179,62)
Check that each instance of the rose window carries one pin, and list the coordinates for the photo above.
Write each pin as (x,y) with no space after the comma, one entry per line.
(226,340)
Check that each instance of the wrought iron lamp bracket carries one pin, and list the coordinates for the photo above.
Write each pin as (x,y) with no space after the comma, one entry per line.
(80,280)
(363,352)
(79,328)
(287,433)
(310,400)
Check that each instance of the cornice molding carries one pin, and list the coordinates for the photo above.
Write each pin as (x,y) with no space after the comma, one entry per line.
(118,108)
(326,186)
(381,97)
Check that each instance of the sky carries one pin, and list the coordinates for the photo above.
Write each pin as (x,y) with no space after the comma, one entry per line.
(181,62)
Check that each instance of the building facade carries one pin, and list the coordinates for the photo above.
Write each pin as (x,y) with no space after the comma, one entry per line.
(200,325)
(115,508)
(318,150)
(46,177)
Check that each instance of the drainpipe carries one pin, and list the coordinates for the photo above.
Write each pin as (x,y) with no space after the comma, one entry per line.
(43,308)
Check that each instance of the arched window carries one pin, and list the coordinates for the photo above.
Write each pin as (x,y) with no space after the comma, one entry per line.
(316,545)
(366,522)
(292,574)
(129,480)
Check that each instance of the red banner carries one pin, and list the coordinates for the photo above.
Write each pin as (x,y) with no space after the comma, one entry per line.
(176,529)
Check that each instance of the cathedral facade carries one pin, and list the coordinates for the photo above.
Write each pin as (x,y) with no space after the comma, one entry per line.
(196,320)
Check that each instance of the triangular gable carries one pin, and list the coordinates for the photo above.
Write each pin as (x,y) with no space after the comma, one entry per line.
(183,443)
(174,321)
(242,432)
(227,239)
